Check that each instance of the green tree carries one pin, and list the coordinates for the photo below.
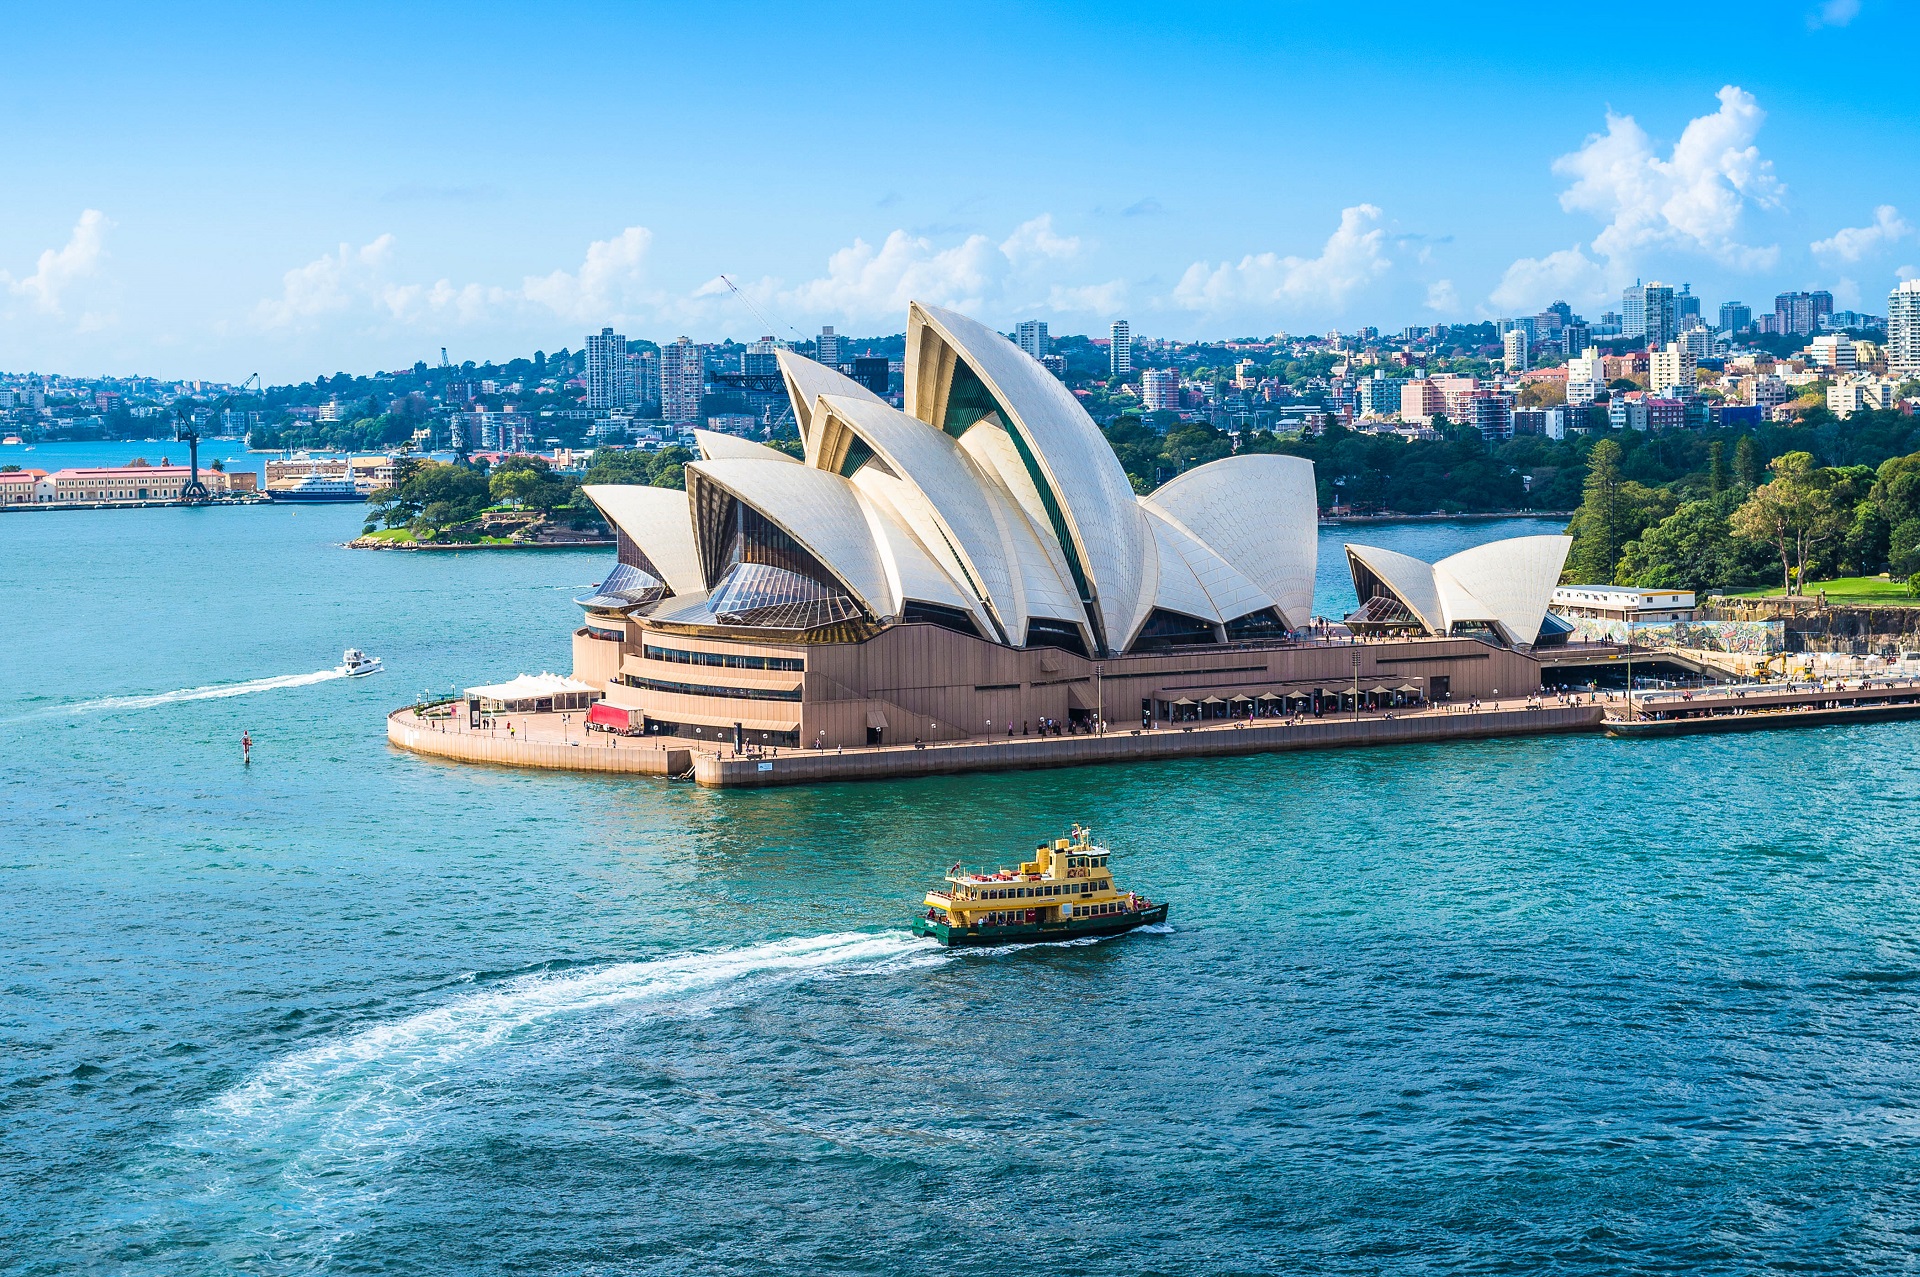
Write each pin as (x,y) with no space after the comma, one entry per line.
(1795,512)
(1694,548)
(1596,524)
(1746,464)
(1716,467)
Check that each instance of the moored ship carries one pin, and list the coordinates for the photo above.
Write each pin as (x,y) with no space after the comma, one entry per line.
(1066,891)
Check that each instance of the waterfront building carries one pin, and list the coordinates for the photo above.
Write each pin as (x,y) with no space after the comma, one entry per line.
(1120,350)
(683,376)
(978,563)
(113,485)
(1623,603)
(17,487)
(1031,337)
(1903,330)
(1500,590)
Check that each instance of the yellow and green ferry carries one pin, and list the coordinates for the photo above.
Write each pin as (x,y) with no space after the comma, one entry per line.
(1066,891)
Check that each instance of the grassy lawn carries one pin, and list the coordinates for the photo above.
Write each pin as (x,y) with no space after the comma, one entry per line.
(1865,591)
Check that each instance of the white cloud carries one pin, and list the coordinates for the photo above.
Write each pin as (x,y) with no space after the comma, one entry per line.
(1035,241)
(1690,200)
(1834,13)
(1533,282)
(1851,243)
(864,283)
(1351,258)
(867,282)
(58,269)
(611,278)
(1017,275)
(608,286)
(1088,299)
(1442,297)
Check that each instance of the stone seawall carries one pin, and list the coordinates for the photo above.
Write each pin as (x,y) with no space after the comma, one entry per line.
(639,758)
(802,767)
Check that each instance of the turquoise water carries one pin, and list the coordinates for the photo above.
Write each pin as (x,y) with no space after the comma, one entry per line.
(1568,1005)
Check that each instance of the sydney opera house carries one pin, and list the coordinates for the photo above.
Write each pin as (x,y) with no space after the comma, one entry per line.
(979,563)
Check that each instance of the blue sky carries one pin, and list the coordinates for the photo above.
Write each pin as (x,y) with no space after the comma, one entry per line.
(305,188)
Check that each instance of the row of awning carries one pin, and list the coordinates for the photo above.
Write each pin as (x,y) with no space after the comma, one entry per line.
(1239,698)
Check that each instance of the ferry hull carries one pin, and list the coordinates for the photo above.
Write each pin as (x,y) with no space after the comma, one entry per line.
(1038,932)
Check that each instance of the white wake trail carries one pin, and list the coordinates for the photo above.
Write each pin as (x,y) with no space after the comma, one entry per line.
(218,691)
(307,1143)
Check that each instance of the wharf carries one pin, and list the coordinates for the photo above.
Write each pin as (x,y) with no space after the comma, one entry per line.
(236,498)
(544,741)
(1766,706)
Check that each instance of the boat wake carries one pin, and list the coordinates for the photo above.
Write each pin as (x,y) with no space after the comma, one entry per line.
(217,691)
(316,1132)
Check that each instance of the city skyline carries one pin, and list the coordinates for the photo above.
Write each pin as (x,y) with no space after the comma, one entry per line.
(432,204)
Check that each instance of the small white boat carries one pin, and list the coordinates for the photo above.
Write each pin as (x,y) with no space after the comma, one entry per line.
(356,663)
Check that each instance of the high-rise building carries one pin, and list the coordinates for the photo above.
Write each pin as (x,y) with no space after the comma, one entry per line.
(873,372)
(1633,310)
(1517,349)
(608,383)
(1585,377)
(683,377)
(1735,316)
(1799,313)
(1686,307)
(1649,312)
(643,370)
(1491,413)
(1032,335)
(1055,364)
(1120,350)
(1574,337)
(1903,330)
(1160,389)
(759,359)
(827,347)
(1671,370)
(1833,351)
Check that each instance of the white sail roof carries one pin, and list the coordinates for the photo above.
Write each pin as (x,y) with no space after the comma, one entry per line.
(714,445)
(996,495)
(1258,512)
(658,520)
(1513,580)
(821,511)
(1507,584)
(1101,529)
(807,380)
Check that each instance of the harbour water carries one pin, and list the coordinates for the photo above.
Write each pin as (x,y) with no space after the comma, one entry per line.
(1560,1004)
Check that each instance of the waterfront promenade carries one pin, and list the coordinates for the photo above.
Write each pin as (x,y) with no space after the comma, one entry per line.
(544,741)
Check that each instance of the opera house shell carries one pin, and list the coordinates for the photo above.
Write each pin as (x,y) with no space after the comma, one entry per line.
(974,564)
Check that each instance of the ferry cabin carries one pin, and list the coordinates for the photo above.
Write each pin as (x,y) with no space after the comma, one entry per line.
(1068,880)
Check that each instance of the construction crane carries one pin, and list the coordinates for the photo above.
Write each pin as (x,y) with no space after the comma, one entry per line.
(195,492)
